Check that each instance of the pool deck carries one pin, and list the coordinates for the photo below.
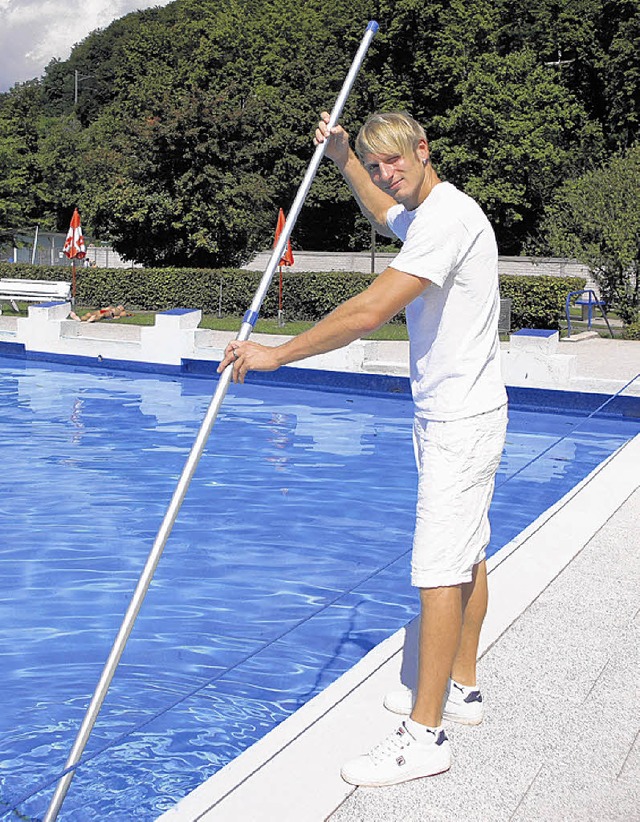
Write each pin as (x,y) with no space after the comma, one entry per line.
(559,667)
(584,363)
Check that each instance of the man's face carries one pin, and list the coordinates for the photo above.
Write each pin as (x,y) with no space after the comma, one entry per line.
(402,176)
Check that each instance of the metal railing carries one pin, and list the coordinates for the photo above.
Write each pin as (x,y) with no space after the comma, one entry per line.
(592,301)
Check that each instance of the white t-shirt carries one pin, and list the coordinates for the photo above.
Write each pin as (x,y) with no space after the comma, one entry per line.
(453,324)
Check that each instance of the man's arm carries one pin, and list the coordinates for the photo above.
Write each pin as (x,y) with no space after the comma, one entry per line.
(388,294)
(373,202)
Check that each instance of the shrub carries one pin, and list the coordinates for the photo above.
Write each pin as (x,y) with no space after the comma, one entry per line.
(631,332)
(537,302)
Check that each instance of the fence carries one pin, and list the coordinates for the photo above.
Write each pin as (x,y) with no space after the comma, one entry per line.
(48,251)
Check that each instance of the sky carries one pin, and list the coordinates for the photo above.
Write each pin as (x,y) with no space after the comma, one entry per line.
(33,32)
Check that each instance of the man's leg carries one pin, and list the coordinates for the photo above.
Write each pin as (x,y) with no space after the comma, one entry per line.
(474,609)
(419,746)
(450,623)
(440,639)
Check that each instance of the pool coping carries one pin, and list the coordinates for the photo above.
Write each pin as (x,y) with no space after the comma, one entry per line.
(617,404)
(292,773)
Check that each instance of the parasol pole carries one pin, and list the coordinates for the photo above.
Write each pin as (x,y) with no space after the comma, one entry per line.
(249,320)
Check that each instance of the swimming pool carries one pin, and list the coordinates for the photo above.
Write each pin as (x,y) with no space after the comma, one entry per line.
(287,564)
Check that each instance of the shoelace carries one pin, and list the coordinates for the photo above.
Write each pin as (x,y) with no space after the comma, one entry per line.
(390,746)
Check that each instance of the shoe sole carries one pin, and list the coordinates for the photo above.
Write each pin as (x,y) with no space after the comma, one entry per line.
(397,781)
(399,712)
(461,720)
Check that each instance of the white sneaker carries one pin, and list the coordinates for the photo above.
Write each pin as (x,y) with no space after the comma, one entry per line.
(399,758)
(462,704)
(400,701)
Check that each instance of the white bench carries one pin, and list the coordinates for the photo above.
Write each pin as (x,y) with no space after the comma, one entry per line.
(33,291)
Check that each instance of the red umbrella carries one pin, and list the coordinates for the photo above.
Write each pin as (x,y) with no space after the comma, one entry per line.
(287,259)
(74,247)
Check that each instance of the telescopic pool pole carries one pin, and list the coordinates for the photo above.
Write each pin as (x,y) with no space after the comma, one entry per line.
(249,320)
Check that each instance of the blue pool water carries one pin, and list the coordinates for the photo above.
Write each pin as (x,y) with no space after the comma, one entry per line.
(288,562)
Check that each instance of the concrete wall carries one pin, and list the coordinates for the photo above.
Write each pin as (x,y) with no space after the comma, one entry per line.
(361,262)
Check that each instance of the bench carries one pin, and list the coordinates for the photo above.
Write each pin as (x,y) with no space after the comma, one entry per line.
(33,291)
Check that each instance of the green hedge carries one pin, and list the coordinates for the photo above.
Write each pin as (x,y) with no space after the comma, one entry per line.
(537,302)
(631,332)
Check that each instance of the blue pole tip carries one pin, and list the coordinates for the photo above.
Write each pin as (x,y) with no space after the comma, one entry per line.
(373,26)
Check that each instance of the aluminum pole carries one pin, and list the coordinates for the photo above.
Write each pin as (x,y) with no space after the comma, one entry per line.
(151,564)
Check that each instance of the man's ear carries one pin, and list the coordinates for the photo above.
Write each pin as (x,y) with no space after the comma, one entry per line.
(422,150)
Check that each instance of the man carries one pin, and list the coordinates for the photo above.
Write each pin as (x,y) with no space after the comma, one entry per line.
(446,276)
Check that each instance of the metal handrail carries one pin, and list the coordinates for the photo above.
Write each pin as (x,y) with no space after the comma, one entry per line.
(595,301)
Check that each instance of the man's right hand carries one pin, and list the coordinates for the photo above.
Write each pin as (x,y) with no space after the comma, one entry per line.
(248,356)
(337,140)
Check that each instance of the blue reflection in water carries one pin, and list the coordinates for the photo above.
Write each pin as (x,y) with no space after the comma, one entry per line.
(288,562)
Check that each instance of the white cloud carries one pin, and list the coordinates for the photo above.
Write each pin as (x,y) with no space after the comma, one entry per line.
(33,32)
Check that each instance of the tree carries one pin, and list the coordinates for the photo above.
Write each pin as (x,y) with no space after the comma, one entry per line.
(205,140)
(621,71)
(61,169)
(515,133)
(20,181)
(596,219)
(193,122)
(593,44)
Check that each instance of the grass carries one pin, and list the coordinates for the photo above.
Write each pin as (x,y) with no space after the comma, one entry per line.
(395,331)
(390,331)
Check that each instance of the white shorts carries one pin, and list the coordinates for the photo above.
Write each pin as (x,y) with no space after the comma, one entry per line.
(457,464)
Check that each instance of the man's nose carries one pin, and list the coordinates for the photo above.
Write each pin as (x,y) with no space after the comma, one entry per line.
(386,171)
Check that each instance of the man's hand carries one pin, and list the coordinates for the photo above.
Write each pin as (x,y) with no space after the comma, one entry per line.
(373,202)
(248,356)
(337,141)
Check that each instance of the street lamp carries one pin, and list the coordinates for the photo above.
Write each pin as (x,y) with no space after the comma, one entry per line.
(560,62)
(77,79)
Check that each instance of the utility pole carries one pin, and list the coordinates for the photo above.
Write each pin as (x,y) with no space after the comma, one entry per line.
(373,250)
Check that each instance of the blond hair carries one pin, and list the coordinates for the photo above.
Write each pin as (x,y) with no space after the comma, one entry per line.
(392,132)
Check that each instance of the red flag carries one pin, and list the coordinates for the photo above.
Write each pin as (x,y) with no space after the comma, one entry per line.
(74,244)
(287,259)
